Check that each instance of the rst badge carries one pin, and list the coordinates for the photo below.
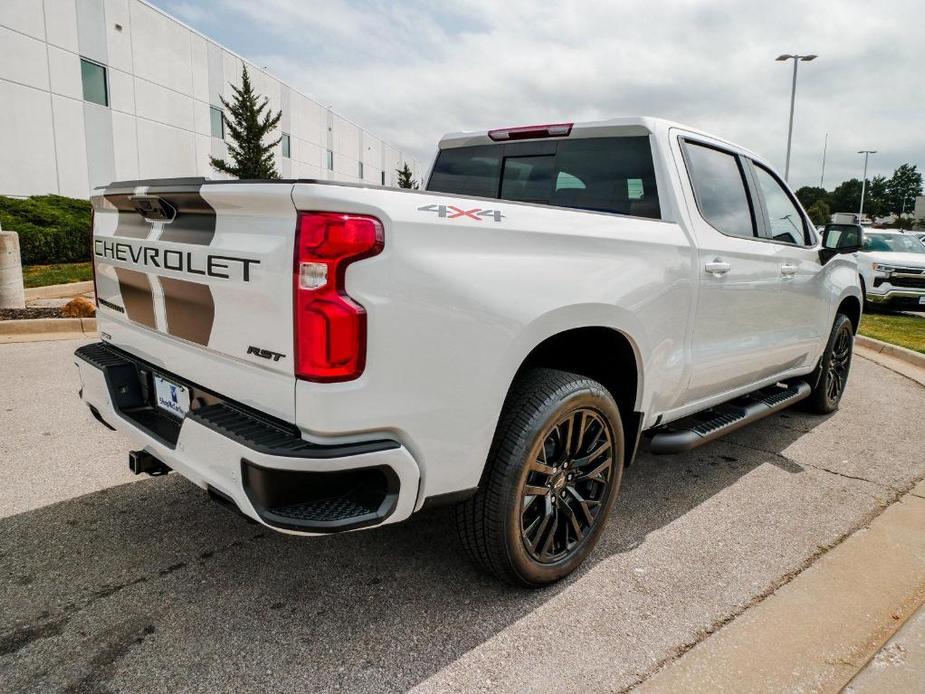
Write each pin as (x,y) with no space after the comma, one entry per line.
(453,212)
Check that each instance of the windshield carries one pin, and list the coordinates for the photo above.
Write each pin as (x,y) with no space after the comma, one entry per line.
(892,243)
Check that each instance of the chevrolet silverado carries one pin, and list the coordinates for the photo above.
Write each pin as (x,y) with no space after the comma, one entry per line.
(324,356)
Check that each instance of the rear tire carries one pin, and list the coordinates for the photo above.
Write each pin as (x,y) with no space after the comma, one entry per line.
(551,478)
(831,375)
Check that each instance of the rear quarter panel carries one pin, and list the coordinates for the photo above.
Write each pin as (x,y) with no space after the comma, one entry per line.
(456,304)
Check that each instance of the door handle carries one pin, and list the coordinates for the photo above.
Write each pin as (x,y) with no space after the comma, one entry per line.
(717,268)
(788,270)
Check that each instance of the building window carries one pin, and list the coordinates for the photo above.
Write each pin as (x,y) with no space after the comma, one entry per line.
(285,143)
(93,76)
(218,122)
(383,177)
(360,174)
(330,158)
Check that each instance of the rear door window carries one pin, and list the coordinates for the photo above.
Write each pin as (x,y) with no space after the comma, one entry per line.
(609,174)
(720,189)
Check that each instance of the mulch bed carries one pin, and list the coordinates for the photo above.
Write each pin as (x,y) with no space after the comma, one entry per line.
(21,313)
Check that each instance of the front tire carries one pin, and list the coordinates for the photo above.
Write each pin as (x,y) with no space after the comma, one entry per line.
(831,375)
(552,475)
(864,302)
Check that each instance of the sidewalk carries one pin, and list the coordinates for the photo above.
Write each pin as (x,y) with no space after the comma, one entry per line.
(899,666)
(817,631)
(853,620)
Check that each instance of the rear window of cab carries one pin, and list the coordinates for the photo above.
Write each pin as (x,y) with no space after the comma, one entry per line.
(606,174)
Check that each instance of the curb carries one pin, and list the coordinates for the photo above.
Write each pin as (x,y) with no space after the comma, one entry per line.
(37,329)
(885,348)
(59,291)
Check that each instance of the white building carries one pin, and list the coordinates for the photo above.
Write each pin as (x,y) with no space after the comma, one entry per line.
(93,91)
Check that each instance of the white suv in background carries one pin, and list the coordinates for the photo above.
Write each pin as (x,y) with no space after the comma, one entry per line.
(892,267)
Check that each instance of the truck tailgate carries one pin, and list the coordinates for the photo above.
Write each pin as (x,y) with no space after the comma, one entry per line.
(197,277)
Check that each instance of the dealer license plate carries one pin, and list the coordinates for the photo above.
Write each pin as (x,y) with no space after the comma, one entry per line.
(171,396)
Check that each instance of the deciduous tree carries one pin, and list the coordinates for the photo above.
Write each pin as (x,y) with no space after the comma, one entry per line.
(903,187)
(819,212)
(810,195)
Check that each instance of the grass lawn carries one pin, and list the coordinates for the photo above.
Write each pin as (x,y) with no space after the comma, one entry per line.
(903,330)
(43,275)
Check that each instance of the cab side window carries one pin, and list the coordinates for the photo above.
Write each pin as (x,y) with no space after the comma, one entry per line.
(785,220)
(720,190)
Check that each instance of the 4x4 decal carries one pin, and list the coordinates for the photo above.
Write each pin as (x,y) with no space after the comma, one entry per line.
(453,212)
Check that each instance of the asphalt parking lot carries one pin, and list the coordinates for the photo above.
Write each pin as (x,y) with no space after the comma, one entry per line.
(111,583)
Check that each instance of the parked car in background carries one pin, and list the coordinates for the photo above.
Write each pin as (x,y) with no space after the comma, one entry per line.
(892,267)
(845,218)
(920,235)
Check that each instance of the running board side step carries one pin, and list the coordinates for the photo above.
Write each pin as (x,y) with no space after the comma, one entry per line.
(712,423)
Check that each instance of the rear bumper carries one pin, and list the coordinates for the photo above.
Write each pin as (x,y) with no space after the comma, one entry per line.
(261,464)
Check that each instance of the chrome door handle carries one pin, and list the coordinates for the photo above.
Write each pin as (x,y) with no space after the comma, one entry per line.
(717,268)
(788,270)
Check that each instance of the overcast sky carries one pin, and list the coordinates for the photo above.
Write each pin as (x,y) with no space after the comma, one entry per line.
(410,71)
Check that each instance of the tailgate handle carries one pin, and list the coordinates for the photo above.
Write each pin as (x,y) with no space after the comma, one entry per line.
(153,208)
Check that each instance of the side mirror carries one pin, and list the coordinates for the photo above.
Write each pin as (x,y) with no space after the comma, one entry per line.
(841,238)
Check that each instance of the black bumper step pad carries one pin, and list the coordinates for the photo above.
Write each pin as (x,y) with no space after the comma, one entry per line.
(711,424)
(275,438)
(131,392)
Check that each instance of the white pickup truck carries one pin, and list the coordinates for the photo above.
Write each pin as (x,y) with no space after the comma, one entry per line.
(325,357)
(892,269)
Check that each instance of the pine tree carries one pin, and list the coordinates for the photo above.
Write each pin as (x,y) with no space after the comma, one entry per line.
(405,179)
(248,125)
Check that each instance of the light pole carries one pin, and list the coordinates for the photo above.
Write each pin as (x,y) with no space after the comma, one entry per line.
(866,153)
(793,93)
(825,148)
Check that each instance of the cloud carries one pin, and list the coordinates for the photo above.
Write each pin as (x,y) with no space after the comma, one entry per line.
(412,71)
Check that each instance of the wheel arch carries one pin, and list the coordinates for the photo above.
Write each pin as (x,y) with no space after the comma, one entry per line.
(604,354)
(851,307)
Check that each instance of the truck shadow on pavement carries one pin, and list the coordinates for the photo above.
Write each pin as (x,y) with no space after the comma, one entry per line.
(149,586)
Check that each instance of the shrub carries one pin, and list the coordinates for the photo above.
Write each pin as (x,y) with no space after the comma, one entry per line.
(51,228)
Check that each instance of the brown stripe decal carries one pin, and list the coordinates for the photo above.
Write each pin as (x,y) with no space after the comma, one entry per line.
(189,308)
(195,222)
(137,298)
(131,224)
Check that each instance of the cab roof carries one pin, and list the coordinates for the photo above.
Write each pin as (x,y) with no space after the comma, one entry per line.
(613,127)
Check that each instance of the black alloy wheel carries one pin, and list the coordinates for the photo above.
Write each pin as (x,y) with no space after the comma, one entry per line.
(836,378)
(550,481)
(830,378)
(567,482)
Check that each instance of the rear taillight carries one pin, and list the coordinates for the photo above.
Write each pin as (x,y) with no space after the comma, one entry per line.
(529,132)
(330,327)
